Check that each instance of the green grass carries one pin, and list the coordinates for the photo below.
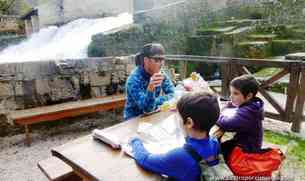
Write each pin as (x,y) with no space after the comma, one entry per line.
(297,150)
(266,72)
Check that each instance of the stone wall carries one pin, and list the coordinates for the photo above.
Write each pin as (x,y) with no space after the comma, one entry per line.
(9,23)
(33,84)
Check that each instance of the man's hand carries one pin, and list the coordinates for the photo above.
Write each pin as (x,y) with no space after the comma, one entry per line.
(155,81)
(216,132)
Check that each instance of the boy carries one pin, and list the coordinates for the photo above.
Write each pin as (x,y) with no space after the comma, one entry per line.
(198,112)
(244,150)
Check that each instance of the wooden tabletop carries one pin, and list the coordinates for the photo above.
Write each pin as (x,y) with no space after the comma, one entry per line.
(95,160)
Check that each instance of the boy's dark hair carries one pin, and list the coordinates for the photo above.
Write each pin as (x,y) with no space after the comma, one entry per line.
(245,84)
(201,107)
(149,50)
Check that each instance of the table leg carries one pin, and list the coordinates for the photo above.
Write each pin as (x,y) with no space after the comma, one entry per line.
(82,176)
(27,135)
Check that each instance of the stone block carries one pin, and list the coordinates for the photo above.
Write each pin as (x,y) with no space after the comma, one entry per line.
(6,89)
(18,86)
(97,80)
(29,90)
(96,92)
(42,86)
(85,79)
(120,67)
(62,89)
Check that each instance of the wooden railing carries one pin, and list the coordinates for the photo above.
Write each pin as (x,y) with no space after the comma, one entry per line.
(290,109)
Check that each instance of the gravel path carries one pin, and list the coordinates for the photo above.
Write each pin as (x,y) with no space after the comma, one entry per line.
(19,162)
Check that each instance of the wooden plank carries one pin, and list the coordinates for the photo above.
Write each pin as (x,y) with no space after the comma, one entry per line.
(97,161)
(56,170)
(273,115)
(292,92)
(240,61)
(59,114)
(274,78)
(271,100)
(65,106)
(299,111)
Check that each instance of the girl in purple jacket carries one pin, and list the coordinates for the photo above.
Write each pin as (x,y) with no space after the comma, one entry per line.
(244,153)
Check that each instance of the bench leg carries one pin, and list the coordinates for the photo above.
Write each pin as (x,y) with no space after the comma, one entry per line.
(27,135)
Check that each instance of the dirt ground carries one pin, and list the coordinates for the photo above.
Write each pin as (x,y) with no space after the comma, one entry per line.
(19,162)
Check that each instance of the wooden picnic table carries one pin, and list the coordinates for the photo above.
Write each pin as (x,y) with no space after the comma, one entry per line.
(94,160)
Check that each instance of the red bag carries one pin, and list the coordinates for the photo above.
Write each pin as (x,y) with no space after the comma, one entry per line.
(255,164)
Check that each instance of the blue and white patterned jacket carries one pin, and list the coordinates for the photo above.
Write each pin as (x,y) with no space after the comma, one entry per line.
(139,99)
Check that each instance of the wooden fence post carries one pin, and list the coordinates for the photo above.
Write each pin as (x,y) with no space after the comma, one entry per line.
(292,90)
(183,69)
(299,111)
(226,78)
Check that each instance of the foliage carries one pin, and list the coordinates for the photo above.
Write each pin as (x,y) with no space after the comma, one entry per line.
(297,151)
(5,6)
(259,49)
(284,47)
(285,11)
(130,40)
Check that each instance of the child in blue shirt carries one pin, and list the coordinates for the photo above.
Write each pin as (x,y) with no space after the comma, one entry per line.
(198,112)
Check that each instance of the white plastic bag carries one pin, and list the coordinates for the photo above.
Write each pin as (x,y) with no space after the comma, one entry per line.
(196,83)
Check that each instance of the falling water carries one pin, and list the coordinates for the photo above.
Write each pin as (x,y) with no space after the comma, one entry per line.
(68,41)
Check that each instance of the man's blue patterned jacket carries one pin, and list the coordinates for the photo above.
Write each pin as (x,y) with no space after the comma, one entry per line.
(139,99)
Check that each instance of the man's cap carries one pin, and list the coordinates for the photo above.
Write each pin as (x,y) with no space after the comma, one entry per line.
(154,50)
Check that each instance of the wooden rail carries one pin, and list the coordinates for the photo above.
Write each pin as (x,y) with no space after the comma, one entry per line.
(290,111)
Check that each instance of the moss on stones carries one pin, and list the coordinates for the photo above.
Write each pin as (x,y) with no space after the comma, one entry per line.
(256,49)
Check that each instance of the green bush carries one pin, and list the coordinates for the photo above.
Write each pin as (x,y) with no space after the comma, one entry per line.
(256,49)
(284,47)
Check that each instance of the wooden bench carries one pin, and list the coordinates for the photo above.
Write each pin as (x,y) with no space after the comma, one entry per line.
(56,170)
(63,110)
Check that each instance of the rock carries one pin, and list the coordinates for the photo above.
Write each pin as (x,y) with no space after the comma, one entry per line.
(296,56)
(262,37)
(99,80)
(6,89)
(214,31)
(255,49)
(62,89)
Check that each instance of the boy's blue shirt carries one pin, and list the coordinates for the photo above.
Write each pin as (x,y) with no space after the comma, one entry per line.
(139,99)
(177,163)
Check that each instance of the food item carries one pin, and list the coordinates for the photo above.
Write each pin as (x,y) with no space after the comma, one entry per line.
(194,76)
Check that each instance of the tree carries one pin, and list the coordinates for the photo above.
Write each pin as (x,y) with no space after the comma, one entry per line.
(5,6)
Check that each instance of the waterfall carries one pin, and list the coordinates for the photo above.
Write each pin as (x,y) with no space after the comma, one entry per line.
(68,41)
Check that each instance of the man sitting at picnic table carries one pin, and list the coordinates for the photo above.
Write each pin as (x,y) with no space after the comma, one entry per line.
(146,82)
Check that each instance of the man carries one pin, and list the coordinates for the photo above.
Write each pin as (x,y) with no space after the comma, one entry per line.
(145,83)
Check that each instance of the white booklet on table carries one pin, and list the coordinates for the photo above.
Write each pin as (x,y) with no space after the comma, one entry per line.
(107,138)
